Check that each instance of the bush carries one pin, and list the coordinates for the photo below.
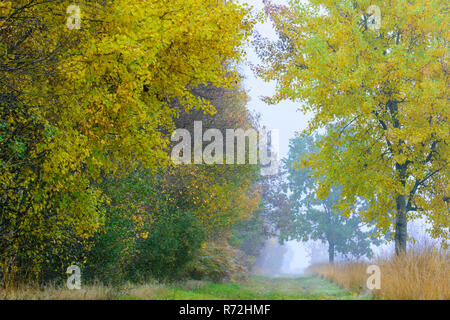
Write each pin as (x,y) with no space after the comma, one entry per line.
(250,235)
(218,261)
(160,250)
(172,242)
(113,249)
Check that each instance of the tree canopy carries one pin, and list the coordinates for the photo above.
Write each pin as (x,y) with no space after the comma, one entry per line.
(382,93)
(82,107)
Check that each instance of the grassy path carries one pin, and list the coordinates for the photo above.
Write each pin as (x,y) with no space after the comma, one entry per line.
(257,287)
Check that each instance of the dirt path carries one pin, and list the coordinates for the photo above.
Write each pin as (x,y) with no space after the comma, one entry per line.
(256,287)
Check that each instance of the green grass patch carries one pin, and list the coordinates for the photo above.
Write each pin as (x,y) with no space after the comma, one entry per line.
(255,288)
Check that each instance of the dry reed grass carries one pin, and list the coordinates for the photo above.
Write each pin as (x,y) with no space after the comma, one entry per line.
(423,273)
(96,291)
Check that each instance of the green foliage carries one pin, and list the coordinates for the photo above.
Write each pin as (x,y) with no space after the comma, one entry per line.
(249,235)
(113,249)
(172,243)
(143,237)
(319,219)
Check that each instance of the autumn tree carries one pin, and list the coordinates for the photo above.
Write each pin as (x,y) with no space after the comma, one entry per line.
(37,210)
(158,221)
(80,104)
(380,77)
(222,193)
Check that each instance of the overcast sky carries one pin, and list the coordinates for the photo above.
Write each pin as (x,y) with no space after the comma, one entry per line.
(283,116)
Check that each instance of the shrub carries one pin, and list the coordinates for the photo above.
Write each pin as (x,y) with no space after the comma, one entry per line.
(218,261)
(172,242)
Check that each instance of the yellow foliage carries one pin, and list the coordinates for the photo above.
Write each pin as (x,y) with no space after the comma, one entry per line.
(96,100)
(382,93)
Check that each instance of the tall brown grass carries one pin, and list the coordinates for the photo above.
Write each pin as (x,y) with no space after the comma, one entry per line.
(95,291)
(423,273)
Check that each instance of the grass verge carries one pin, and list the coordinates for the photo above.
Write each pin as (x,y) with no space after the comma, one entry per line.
(420,274)
(255,288)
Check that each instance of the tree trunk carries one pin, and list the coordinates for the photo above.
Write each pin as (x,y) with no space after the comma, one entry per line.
(400,200)
(400,225)
(330,252)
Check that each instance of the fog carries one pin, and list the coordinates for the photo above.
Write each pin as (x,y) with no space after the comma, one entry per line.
(291,258)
